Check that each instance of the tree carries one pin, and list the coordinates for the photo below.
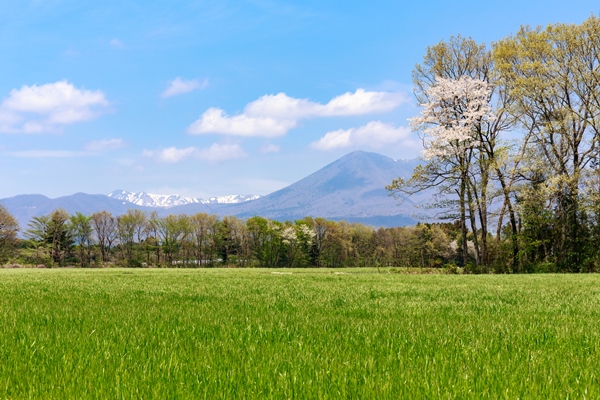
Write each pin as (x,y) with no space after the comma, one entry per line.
(173,230)
(362,245)
(296,241)
(449,123)
(266,242)
(131,230)
(337,244)
(319,228)
(9,228)
(81,231)
(105,229)
(431,245)
(554,76)
(464,168)
(201,228)
(52,230)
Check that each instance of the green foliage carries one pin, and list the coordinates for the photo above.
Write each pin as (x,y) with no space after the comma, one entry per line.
(543,83)
(9,227)
(81,231)
(52,232)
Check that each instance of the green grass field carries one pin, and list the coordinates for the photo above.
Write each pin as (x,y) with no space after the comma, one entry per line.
(209,333)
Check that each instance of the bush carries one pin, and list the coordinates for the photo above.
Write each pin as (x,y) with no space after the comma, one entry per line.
(471,268)
(452,269)
(134,263)
(543,268)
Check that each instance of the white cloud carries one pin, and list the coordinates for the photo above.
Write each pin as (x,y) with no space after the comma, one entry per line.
(375,134)
(269,148)
(181,86)
(171,154)
(275,115)
(281,106)
(104,144)
(214,120)
(363,102)
(222,152)
(215,153)
(46,108)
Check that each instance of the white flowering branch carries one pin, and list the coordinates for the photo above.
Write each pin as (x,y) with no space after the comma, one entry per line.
(448,122)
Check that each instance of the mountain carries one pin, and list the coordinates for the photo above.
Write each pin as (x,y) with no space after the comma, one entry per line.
(25,207)
(171,200)
(351,189)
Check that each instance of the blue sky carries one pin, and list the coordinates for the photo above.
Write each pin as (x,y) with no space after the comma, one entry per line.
(209,98)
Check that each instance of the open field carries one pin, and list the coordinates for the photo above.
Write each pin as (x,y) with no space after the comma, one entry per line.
(211,333)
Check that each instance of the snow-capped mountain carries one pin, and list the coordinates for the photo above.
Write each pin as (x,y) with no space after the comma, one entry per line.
(171,200)
(231,199)
(351,189)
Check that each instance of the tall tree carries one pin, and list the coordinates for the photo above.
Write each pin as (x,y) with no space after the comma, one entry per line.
(554,77)
(266,241)
(173,230)
(81,231)
(131,228)
(201,225)
(456,109)
(105,229)
(467,164)
(9,228)
(52,230)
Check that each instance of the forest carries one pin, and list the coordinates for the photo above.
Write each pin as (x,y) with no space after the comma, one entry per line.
(137,239)
(511,150)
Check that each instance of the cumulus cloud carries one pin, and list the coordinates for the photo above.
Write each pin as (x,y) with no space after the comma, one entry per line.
(104,144)
(43,108)
(375,134)
(363,102)
(181,86)
(274,115)
(215,153)
(214,120)
(281,106)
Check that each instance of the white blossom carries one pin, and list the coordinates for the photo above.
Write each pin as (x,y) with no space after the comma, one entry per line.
(455,109)
(288,235)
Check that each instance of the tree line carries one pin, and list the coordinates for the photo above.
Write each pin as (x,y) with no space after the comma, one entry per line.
(138,239)
(511,137)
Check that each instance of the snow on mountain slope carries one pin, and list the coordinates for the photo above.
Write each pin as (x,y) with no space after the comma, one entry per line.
(231,199)
(171,200)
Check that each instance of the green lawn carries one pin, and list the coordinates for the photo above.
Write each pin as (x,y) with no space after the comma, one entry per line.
(221,333)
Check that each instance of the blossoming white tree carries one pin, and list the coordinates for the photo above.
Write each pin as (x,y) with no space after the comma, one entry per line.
(449,121)
(464,111)
(453,125)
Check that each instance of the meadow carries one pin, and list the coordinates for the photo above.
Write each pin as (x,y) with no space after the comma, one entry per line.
(303,333)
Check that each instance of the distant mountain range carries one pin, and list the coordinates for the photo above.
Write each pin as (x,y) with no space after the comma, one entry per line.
(351,189)
(171,200)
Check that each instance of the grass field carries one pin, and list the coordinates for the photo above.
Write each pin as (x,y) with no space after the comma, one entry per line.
(209,333)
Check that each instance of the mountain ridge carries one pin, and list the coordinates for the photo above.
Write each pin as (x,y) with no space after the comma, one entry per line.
(172,200)
(351,188)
